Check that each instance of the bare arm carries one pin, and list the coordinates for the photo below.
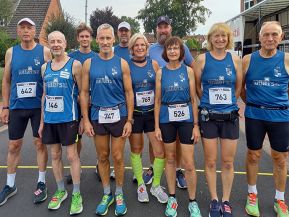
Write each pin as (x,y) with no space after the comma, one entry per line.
(127,83)
(47,54)
(40,130)
(239,75)
(155,65)
(76,71)
(158,104)
(286,61)
(245,66)
(198,67)
(196,132)
(6,85)
(84,93)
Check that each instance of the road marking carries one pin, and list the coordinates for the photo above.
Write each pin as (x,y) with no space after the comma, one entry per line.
(130,168)
(3,128)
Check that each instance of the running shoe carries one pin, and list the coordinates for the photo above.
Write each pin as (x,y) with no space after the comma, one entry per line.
(6,193)
(148,176)
(159,193)
(40,194)
(180,178)
(171,209)
(69,179)
(194,209)
(134,180)
(215,209)
(105,202)
(57,199)
(226,209)
(252,207)
(281,208)
(76,204)
(112,175)
(120,207)
(142,194)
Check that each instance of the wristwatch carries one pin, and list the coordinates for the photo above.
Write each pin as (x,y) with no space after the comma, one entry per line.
(130,121)
(5,107)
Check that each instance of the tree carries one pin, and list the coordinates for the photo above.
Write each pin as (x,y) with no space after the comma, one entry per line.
(5,43)
(5,11)
(99,17)
(64,23)
(185,14)
(134,24)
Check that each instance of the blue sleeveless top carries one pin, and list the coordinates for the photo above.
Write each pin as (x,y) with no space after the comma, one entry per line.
(175,89)
(143,84)
(26,80)
(267,85)
(81,57)
(122,52)
(218,84)
(60,105)
(106,85)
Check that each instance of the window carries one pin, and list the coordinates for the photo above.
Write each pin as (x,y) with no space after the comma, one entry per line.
(2,22)
(248,4)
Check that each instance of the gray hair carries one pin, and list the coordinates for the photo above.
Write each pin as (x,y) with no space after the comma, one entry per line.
(56,32)
(271,23)
(105,26)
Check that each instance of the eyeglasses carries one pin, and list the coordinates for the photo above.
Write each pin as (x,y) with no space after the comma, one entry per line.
(171,49)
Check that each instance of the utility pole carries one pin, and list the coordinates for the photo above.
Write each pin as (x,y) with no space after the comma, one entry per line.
(85,11)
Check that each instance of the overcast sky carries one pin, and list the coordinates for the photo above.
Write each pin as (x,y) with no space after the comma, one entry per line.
(222,10)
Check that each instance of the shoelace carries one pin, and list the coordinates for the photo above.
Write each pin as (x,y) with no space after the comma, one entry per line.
(174,205)
(149,172)
(104,199)
(227,208)
(119,200)
(283,206)
(76,199)
(252,199)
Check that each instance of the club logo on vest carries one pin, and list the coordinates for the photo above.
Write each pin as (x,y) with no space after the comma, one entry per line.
(266,79)
(114,71)
(150,74)
(182,77)
(55,80)
(37,61)
(277,72)
(221,78)
(64,74)
(176,84)
(228,70)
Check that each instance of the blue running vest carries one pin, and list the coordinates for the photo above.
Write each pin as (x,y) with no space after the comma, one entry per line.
(106,85)
(267,85)
(60,105)
(143,84)
(26,80)
(218,84)
(81,57)
(122,52)
(175,89)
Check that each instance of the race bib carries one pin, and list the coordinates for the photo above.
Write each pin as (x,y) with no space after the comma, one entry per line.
(54,104)
(220,95)
(108,115)
(145,98)
(179,112)
(26,89)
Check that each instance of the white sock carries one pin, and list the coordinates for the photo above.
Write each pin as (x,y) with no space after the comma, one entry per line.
(252,189)
(11,179)
(41,176)
(178,168)
(279,195)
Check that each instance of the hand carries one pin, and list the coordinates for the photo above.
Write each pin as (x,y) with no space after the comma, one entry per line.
(40,130)
(158,134)
(88,128)
(127,129)
(196,135)
(81,127)
(4,117)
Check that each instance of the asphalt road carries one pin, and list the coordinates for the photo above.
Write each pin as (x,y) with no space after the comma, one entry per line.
(22,205)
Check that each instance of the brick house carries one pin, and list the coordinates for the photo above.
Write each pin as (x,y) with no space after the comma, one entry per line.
(39,11)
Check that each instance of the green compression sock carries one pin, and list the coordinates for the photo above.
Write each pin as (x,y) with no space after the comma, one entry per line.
(158,171)
(137,167)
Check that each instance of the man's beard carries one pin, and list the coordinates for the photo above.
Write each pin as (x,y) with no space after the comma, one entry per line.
(162,38)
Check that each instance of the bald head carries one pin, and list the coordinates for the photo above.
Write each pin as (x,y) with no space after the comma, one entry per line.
(57,43)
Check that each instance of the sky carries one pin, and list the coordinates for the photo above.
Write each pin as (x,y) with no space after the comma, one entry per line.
(222,10)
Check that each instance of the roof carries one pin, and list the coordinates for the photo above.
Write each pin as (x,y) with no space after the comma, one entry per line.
(34,9)
(264,8)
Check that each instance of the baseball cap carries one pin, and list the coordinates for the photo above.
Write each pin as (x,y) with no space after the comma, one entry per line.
(26,19)
(164,19)
(124,25)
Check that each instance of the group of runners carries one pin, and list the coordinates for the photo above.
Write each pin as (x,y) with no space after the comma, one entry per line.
(135,89)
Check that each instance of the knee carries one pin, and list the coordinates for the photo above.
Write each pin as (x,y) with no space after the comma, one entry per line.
(56,155)
(40,147)
(136,149)
(279,161)
(211,164)
(159,154)
(253,157)
(227,165)
(189,166)
(14,147)
(72,157)
(171,159)
(117,158)
(103,158)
